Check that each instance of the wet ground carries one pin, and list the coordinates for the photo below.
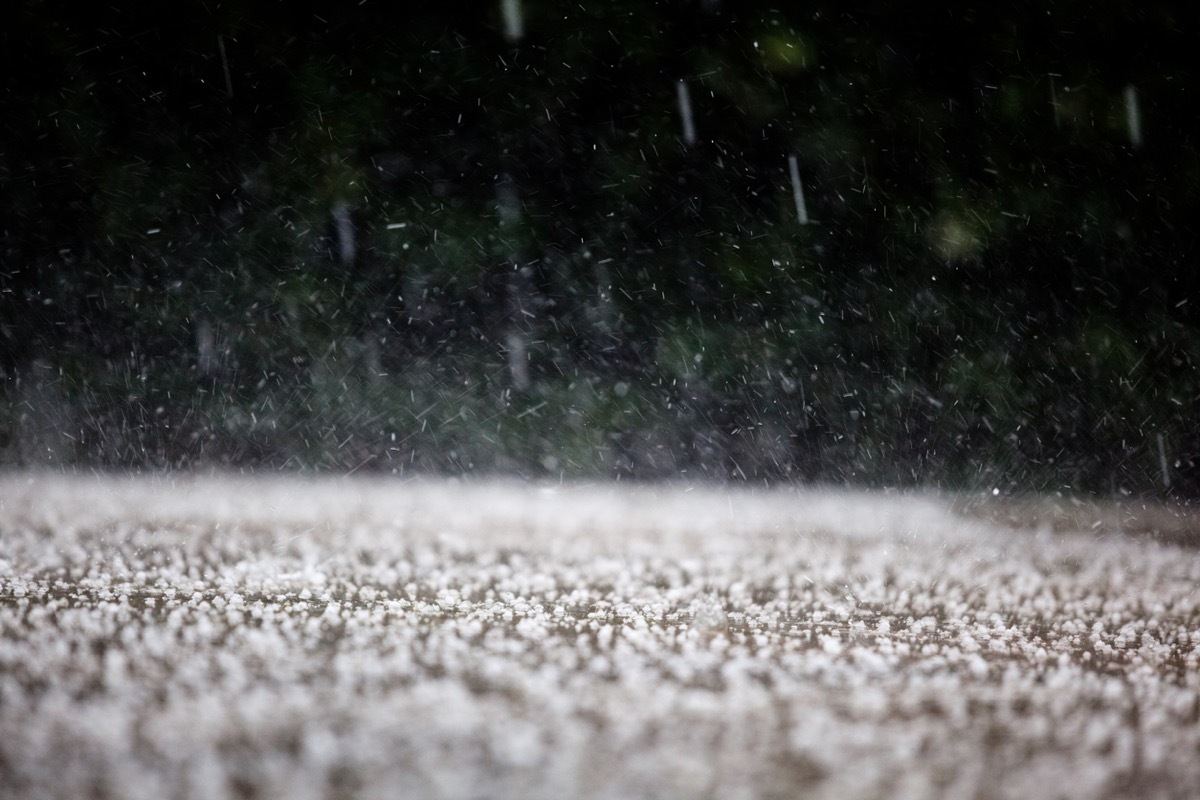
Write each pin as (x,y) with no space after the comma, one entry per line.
(269,638)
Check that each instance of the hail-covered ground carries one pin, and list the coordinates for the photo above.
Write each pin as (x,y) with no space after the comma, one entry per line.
(227,637)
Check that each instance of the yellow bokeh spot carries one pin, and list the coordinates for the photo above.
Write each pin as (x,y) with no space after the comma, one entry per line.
(785,52)
(954,236)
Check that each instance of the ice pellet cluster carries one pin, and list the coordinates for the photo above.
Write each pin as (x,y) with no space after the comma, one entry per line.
(226,637)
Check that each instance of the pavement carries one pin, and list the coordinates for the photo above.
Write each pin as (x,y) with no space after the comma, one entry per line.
(287,637)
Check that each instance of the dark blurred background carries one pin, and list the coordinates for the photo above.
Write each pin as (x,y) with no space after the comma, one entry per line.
(565,239)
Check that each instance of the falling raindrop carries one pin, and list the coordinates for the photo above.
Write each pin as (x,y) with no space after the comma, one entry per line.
(345,232)
(518,360)
(206,358)
(1133,115)
(514,23)
(1162,462)
(225,65)
(798,190)
(1054,105)
(685,112)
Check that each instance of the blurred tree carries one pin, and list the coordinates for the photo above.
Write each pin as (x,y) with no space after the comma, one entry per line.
(308,235)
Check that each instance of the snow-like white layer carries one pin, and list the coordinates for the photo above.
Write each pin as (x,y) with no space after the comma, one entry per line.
(234,638)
